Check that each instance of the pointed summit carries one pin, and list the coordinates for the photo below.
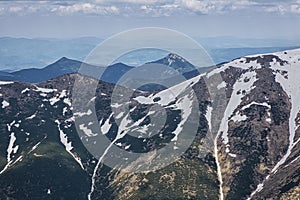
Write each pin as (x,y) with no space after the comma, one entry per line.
(172,57)
(176,62)
(63,59)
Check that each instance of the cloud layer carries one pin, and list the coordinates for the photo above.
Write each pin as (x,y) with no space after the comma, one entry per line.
(152,8)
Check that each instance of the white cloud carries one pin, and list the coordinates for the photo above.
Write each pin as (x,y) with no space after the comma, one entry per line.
(199,6)
(216,6)
(152,8)
(295,8)
(244,3)
(15,9)
(87,8)
(141,2)
(170,6)
(157,11)
(277,9)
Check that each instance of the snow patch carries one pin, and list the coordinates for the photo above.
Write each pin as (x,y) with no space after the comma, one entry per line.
(232,155)
(67,101)
(32,116)
(237,63)
(185,105)
(81,114)
(240,89)
(25,90)
(54,100)
(239,118)
(258,189)
(106,126)
(167,96)
(45,90)
(222,85)
(208,116)
(68,145)
(86,130)
(5,104)
(6,82)
(11,149)
(255,103)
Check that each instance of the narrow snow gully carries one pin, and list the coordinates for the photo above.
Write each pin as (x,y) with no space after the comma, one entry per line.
(218,169)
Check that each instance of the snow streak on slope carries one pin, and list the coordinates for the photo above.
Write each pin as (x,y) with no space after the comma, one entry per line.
(36,146)
(255,103)
(235,101)
(237,63)
(218,169)
(44,90)
(238,117)
(240,89)
(124,127)
(31,117)
(185,105)
(208,116)
(291,86)
(68,145)
(11,149)
(86,130)
(168,95)
(106,126)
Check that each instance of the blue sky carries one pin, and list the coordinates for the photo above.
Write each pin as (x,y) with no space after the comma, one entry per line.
(197,18)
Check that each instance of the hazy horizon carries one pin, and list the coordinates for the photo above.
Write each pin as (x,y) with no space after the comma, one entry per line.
(199,19)
(74,28)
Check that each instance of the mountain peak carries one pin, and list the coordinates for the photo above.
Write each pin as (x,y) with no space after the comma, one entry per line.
(176,62)
(63,59)
(172,57)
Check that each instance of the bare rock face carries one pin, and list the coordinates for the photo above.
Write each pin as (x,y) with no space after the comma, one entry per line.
(251,145)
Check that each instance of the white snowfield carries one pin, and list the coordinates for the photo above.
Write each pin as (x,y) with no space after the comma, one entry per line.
(44,90)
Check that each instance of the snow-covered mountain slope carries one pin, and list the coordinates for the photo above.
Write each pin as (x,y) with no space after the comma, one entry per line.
(258,135)
(243,118)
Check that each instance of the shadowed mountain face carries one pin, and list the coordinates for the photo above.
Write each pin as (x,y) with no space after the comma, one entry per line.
(253,152)
(61,67)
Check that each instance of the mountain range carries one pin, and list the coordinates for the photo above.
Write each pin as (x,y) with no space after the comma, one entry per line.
(245,144)
(111,74)
(44,51)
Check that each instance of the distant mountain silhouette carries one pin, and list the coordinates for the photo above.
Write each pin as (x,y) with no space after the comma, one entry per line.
(111,74)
